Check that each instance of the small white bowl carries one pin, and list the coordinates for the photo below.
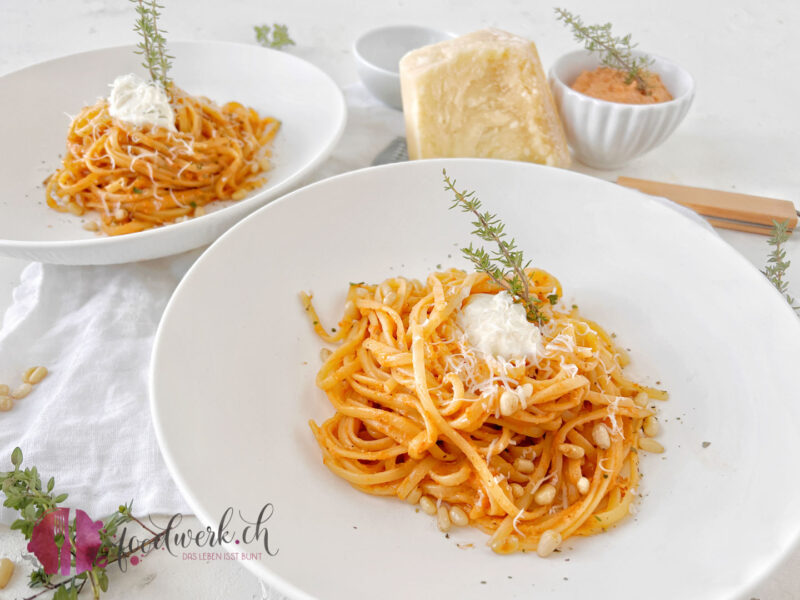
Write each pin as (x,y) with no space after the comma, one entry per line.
(379,51)
(607,135)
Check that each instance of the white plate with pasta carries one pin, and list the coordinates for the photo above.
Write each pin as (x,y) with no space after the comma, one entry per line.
(134,196)
(241,421)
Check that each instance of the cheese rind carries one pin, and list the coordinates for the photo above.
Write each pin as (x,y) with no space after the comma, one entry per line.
(484,94)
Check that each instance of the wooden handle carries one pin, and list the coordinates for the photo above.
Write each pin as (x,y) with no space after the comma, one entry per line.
(729,210)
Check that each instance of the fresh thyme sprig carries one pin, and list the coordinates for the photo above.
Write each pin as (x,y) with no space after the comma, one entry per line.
(276,37)
(153,46)
(505,265)
(777,265)
(615,52)
(25,493)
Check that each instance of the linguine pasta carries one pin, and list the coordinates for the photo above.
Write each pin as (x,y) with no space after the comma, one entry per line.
(137,178)
(420,414)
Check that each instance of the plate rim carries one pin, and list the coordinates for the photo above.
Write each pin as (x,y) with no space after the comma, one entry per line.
(259,568)
(16,248)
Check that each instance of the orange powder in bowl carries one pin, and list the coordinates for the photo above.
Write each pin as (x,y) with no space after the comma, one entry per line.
(609,84)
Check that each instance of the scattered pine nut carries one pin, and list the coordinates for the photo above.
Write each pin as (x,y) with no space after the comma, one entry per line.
(650,445)
(523,465)
(427,505)
(6,403)
(583,485)
(91,226)
(34,375)
(571,450)
(23,390)
(601,436)
(6,571)
(651,427)
(4,391)
(443,519)
(545,495)
(549,541)
(458,516)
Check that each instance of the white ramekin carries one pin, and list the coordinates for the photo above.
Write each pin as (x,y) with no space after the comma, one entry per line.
(378,52)
(607,135)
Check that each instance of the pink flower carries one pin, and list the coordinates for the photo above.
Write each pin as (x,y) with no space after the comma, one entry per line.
(87,541)
(43,541)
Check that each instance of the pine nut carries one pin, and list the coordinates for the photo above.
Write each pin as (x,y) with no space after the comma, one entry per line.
(459,517)
(601,436)
(91,226)
(443,519)
(525,390)
(23,390)
(34,375)
(200,211)
(414,496)
(517,490)
(509,403)
(4,391)
(237,195)
(427,505)
(650,445)
(120,214)
(545,495)
(651,427)
(641,399)
(6,571)
(549,541)
(583,485)
(6,403)
(523,465)
(571,450)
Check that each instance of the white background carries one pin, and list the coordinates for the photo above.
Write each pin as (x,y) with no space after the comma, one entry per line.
(741,134)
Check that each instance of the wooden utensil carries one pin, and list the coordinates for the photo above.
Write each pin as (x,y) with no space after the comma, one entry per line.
(728,210)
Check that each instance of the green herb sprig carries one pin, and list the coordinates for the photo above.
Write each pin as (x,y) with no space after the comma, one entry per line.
(25,493)
(276,37)
(505,265)
(777,265)
(153,46)
(615,52)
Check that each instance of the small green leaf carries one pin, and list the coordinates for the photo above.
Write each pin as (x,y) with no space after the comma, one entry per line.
(102,580)
(51,484)
(60,498)
(16,457)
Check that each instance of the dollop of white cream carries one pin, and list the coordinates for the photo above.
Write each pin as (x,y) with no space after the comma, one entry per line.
(495,325)
(139,103)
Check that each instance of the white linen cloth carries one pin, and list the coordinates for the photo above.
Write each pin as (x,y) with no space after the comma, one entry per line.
(88,423)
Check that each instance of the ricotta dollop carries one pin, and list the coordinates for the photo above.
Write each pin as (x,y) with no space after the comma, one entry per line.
(495,325)
(140,103)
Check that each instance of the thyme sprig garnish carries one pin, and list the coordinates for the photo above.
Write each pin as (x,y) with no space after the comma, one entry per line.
(276,37)
(615,52)
(505,265)
(153,46)
(777,265)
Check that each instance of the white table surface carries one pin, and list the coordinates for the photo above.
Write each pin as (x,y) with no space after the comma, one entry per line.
(741,134)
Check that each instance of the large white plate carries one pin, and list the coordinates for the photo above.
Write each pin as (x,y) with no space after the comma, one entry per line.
(33,126)
(233,387)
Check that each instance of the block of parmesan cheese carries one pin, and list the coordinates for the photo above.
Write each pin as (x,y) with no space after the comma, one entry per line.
(484,94)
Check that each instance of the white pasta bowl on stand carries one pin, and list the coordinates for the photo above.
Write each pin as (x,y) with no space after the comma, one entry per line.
(608,135)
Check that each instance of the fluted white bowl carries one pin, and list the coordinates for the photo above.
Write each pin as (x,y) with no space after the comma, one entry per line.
(607,135)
